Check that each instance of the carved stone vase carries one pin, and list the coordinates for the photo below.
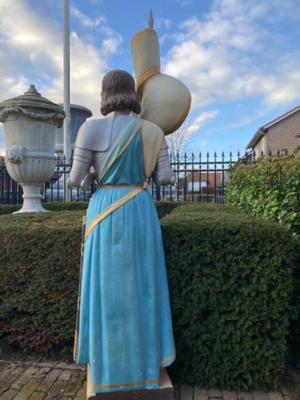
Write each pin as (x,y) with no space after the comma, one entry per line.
(30,126)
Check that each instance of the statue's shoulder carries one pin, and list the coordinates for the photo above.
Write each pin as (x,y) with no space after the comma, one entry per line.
(91,135)
(152,130)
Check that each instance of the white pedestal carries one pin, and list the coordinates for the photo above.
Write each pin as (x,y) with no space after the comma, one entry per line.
(32,199)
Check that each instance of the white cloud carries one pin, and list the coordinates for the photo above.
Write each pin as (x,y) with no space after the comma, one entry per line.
(181,139)
(201,120)
(86,20)
(34,46)
(232,54)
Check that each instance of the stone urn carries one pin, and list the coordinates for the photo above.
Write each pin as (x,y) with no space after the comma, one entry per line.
(30,126)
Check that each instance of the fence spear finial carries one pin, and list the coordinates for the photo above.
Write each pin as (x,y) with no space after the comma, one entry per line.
(150,20)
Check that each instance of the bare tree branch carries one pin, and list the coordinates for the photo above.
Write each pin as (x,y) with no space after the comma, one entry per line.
(176,140)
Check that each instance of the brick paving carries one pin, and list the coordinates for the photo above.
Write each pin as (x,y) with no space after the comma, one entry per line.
(41,381)
(63,381)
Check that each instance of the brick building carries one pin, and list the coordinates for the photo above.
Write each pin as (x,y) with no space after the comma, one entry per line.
(281,134)
(205,181)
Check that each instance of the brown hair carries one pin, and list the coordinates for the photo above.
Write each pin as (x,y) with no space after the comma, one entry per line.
(118,93)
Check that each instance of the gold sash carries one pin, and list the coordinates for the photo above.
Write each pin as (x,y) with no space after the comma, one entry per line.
(113,208)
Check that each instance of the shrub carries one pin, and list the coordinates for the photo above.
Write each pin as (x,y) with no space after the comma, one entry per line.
(229,277)
(9,208)
(165,207)
(39,267)
(293,338)
(269,187)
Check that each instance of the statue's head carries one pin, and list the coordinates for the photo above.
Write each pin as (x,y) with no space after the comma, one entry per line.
(118,93)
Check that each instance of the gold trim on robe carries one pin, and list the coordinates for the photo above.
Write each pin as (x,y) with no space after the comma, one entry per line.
(105,213)
(91,385)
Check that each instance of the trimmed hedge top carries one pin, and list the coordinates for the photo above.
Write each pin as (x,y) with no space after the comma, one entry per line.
(163,208)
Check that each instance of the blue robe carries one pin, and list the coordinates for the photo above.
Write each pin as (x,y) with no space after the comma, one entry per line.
(125,329)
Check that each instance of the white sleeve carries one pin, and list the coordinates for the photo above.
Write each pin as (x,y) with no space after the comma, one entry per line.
(163,174)
(82,160)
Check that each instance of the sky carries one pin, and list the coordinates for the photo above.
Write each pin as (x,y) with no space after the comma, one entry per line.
(239,58)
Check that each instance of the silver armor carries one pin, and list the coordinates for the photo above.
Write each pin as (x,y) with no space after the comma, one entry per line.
(93,142)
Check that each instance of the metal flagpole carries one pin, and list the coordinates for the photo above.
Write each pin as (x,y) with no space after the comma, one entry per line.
(67,121)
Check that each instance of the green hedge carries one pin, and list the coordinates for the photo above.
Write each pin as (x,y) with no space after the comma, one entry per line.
(165,207)
(39,266)
(38,295)
(229,278)
(270,187)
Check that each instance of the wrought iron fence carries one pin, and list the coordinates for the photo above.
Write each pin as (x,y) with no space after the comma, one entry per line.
(197,177)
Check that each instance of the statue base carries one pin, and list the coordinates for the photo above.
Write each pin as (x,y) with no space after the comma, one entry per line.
(164,392)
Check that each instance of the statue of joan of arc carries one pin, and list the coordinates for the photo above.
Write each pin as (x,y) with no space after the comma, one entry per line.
(124,332)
